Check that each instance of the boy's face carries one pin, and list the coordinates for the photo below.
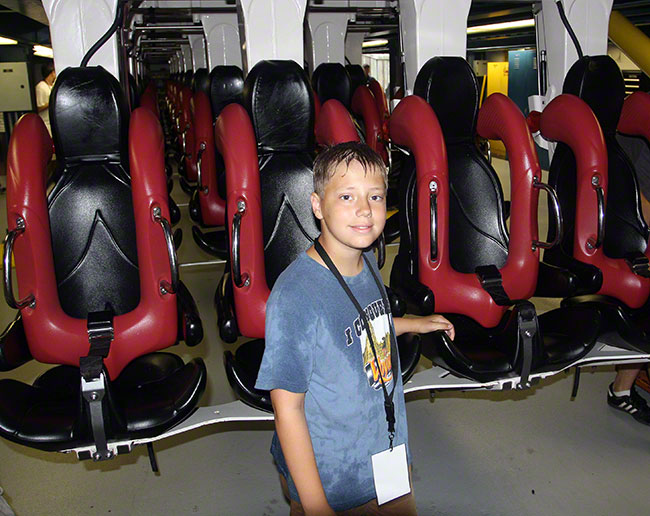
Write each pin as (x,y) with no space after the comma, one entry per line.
(352,209)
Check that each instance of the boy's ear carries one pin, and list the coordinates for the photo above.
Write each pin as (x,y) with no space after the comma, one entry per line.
(315,206)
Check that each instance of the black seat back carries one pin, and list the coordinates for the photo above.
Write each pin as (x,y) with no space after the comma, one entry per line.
(226,86)
(598,81)
(279,101)
(90,207)
(477,230)
(331,81)
(357,77)
(201,81)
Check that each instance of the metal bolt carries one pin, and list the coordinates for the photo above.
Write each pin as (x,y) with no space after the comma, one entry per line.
(433,186)
(241,206)
(595,180)
(96,456)
(528,333)
(93,396)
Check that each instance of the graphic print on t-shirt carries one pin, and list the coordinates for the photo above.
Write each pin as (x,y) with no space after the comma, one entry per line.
(380,328)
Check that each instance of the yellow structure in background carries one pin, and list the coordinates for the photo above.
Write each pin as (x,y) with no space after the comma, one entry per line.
(497,82)
(630,40)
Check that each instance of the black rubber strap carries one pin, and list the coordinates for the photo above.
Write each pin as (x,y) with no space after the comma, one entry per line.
(527,326)
(492,283)
(389,405)
(638,262)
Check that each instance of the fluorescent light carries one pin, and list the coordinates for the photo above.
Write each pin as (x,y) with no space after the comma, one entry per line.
(374,43)
(7,41)
(42,51)
(494,27)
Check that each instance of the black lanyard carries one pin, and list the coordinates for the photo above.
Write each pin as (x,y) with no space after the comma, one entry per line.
(389,406)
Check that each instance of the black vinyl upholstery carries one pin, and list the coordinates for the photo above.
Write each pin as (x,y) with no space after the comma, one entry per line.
(331,81)
(201,81)
(226,86)
(357,77)
(90,207)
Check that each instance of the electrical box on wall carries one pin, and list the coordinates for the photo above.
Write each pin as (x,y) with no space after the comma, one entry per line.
(14,84)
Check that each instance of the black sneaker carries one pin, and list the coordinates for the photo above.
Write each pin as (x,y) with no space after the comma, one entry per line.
(633,404)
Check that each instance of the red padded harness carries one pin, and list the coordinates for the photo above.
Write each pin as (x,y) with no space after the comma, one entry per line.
(213,207)
(53,336)
(363,104)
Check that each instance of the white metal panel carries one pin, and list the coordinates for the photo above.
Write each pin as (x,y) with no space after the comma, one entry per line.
(272,30)
(432,28)
(75,26)
(327,38)
(353,47)
(197,42)
(222,33)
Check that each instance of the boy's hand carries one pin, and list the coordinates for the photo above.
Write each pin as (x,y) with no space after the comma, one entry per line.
(424,324)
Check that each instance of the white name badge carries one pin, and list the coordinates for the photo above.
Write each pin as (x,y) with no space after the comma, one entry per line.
(391,473)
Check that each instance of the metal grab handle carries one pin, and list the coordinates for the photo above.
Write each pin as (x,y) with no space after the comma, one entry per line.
(433,212)
(600,197)
(30,300)
(199,157)
(559,224)
(240,281)
(184,138)
(165,286)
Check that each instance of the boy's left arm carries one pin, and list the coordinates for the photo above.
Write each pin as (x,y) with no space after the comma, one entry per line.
(423,324)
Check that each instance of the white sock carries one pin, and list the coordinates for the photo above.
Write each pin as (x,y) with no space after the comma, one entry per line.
(621,393)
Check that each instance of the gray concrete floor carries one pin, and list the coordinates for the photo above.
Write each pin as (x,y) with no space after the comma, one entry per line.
(535,452)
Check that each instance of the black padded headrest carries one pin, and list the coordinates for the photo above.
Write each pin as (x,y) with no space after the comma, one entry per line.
(331,81)
(89,115)
(357,77)
(599,82)
(449,85)
(201,81)
(226,87)
(279,101)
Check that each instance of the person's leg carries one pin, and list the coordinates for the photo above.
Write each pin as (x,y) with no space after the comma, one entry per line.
(622,395)
(625,377)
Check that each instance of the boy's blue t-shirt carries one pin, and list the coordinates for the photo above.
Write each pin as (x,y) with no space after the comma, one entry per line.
(316,344)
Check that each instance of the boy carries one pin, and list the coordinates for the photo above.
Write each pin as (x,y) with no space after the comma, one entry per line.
(330,377)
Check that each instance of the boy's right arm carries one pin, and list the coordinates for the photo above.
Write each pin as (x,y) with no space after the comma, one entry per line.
(291,426)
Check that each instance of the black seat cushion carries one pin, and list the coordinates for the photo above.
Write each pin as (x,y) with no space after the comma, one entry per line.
(357,77)
(280,104)
(90,207)
(226,87)
(331,81)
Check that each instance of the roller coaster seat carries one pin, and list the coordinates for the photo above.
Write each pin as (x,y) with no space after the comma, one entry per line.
(201,81)
(268,148)
(208,205)
(95,278)
(331,81)
(608,255)
(454,240)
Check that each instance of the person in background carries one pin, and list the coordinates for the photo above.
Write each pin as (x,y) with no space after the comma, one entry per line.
(366,69)
(43,90)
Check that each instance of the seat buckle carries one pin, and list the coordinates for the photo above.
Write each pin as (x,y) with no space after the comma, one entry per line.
(639,264)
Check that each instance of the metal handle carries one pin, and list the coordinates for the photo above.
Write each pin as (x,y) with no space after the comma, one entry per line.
(199,158)
(559,224)
(165,286)
(30,300)
(240,281)
(184,138)
(600,197)
(433,210)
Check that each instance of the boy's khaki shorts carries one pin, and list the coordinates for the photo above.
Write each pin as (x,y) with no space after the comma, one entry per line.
(402,506)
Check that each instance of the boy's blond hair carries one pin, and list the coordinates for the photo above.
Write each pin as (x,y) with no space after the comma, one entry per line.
(326,162)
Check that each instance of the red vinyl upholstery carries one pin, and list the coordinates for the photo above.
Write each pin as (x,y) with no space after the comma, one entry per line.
(213,207)
(635,115)
(363,104)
